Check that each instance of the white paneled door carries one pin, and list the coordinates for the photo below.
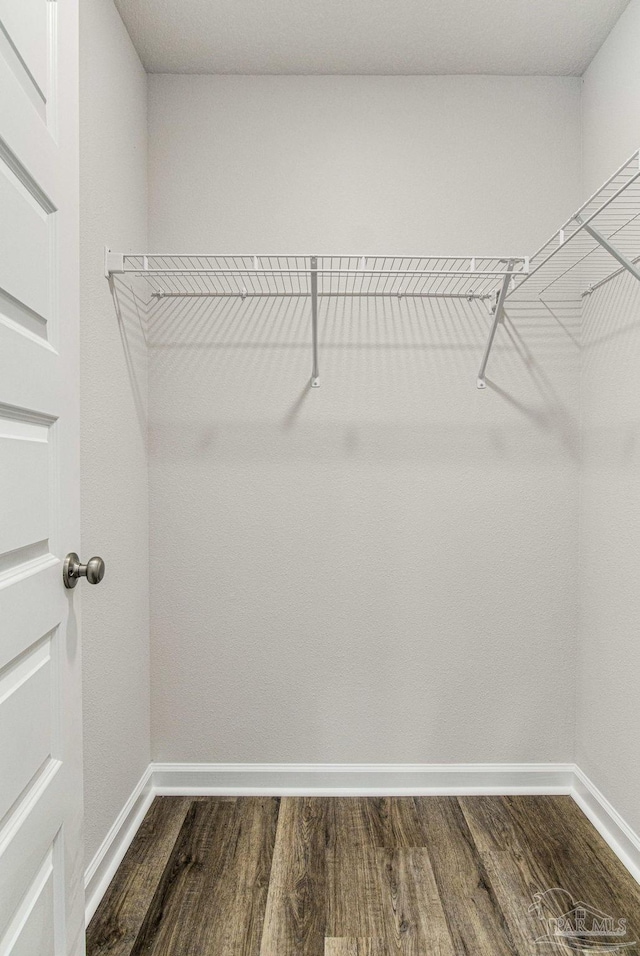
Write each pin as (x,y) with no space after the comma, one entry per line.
(41,867)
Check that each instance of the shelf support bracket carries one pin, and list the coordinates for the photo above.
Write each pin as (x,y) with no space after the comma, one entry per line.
(498,316)
(113,263)
(604,242)
(315,373)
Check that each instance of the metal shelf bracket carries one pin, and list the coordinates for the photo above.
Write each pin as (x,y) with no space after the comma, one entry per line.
(113,262)
(498,316)
(611,249)
(315,372)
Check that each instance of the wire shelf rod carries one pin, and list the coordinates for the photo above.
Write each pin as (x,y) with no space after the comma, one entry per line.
(322,295)
(227,256)
(612,275)
(497,273)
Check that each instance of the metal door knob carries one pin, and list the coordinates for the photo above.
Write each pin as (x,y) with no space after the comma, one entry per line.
(72,570)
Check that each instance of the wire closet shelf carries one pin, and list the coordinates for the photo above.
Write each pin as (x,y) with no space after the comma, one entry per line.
(578,258)
(219,276)
(575,261)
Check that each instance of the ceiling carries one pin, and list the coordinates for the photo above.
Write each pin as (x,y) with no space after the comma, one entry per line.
(518,37)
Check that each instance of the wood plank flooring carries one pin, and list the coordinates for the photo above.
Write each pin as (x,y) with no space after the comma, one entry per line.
(346,876)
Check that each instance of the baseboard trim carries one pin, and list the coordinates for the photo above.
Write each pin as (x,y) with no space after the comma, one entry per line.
(360,779)
(103,866)
(218,779)
(624,842)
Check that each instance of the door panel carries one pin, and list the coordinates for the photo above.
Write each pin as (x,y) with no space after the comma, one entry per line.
(26,251)
(36,138)
(33,929)
(25,27)
(27,44)
(25,484)
(22,603)
(41,861)
(27,686)
(35,834)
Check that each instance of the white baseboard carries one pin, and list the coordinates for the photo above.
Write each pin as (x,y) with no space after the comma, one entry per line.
(624,842)
(360,779)
(102,868)
(182,779)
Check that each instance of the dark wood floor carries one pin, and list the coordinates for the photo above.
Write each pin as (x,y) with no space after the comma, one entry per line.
(333,876)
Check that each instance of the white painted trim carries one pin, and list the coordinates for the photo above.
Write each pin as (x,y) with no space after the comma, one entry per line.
(624,842)
(360,779)
(103,866)
(242,779)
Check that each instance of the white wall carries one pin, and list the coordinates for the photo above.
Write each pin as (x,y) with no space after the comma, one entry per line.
(608,710)
(361,163)
(113,422)
(383,569)
(611,101)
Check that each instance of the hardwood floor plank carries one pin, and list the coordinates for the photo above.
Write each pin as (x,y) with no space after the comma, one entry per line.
(354,892)
(121,913)
(476,923)
(400,821)
(429,876)
(389,822)
(356,821)
(356,834)
(594,852)
(294,923)
(212,896)
(355,946)
(535,844)
(515,871)
(201,844)
(415,921)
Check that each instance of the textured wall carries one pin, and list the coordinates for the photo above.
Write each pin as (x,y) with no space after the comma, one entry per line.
(113,421)
(608,711)
(611,101)
(383,569)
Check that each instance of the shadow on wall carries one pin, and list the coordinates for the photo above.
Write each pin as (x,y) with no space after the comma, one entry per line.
(374,549)
(609,660)
(611,340)
(385,364)
(132,316)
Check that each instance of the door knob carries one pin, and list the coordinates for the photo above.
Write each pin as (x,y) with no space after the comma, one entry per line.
(72,570)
